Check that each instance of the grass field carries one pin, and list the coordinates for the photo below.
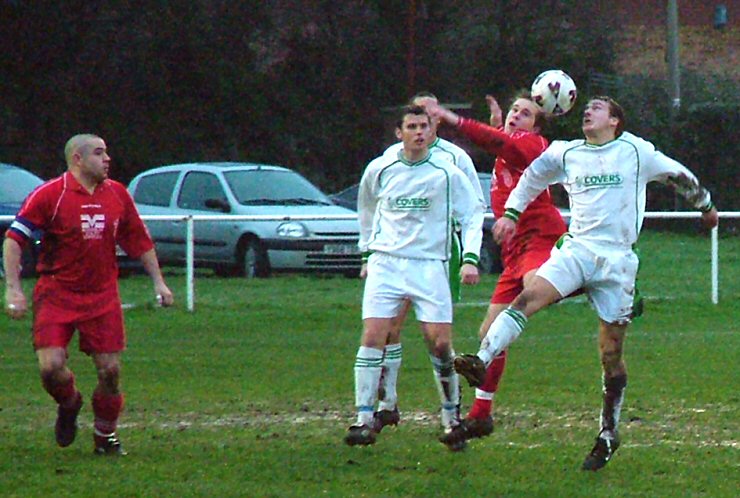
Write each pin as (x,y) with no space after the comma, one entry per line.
(252,394)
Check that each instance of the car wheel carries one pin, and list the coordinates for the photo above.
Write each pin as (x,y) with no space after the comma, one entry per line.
(254,260)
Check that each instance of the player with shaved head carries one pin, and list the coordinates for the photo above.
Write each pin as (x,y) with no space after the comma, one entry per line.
(83,216)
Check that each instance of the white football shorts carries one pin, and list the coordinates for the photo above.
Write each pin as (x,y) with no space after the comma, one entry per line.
(390,280)
(607,274)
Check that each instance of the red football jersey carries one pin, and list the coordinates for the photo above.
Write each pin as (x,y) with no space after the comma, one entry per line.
(80,232)
(540,225)
(513,154)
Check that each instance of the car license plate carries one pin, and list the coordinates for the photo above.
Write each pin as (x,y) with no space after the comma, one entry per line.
(341,249)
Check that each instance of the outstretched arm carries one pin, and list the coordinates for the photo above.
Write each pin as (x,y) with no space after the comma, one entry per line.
(541,173)
(437,111)
(670,172)
(688,186)
(496,118)
(544,171)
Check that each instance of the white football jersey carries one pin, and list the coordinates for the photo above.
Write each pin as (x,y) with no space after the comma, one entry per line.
(444,149)
(606,185)
(406,209)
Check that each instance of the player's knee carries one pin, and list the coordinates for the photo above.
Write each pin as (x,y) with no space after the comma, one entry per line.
(108,376)
(441,347)
(528,278)
(52,369)
(523,301)
(54,374)
(374,339)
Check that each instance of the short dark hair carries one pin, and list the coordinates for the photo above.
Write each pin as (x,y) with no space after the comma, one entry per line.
(540,120)
(615,111)
(416,110)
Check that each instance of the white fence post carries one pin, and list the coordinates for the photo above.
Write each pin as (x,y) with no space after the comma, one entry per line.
(715,265)
(189,261)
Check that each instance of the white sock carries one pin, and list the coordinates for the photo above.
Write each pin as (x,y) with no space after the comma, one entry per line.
(613,392)
(367,376)
(391,367)
(503,331)
(448,387)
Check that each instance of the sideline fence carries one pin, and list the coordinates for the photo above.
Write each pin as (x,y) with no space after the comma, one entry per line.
(192,219)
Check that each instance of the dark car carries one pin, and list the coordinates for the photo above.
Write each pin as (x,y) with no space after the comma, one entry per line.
(490,252)
(346,198)
(15,185)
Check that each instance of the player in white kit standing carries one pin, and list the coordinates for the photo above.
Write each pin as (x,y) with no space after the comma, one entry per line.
(406,205)
(605,176)
(387,409)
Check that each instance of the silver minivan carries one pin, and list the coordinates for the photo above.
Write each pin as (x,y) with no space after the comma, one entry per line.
(251,248)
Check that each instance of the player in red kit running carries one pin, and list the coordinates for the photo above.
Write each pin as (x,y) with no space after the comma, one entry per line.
(516,143)
(82,215)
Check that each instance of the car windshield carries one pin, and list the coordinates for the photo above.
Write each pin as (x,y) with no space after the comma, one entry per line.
(266,186)
(16,184)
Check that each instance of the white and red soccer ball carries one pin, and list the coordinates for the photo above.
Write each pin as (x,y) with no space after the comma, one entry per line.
(554,92)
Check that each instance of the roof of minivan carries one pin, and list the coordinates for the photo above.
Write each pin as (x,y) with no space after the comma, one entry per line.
(211,166)
(11,166)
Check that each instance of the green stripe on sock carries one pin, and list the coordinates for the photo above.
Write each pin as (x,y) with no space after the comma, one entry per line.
(393,355)
(368,362)
(519,318)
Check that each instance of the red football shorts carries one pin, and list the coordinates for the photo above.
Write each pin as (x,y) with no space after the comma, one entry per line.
(511,281)
(96,316)
(537,232)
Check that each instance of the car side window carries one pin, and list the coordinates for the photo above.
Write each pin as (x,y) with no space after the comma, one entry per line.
(197,187)
(485,185)
(156,190)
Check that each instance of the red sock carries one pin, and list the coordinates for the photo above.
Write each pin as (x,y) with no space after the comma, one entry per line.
(106,408)
(494,372)
(66,394)
(482,406)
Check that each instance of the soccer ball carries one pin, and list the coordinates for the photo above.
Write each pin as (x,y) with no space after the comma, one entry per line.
(554,92)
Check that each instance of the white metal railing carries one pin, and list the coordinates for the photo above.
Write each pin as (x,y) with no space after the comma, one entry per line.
(192,219)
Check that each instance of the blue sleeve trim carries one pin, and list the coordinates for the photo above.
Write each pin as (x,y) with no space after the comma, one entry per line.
(22,227)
